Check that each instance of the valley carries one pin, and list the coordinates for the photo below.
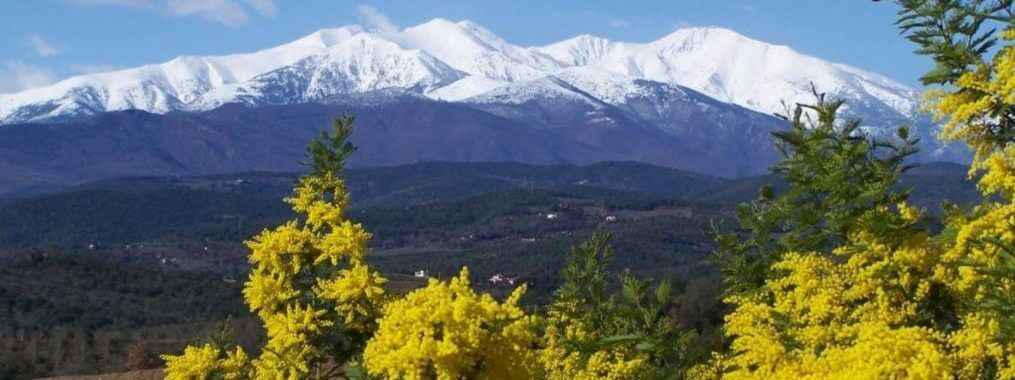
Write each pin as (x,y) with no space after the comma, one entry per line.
(125,243)
(246,189)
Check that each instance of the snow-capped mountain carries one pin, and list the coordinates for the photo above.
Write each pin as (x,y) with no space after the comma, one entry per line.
(361,64)
(731,67)
(699,99)
(455,61)
(183,83)
(473,49)
(663,83)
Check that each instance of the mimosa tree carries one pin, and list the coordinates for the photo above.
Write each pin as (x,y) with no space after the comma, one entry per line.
(890,300)
(309,283)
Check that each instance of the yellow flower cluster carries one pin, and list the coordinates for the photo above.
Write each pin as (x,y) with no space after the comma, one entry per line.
(207,362)
(447,331)
(999,175)
(291,349)
(977,346)
(773,345)
(308,278)
(319,262)
(971,273)
(862,312)
(322,199)
(972,261)
(977,243)
(859,316)
(873,309)
(968,109)
(854,315)
(562,362)
(356,293)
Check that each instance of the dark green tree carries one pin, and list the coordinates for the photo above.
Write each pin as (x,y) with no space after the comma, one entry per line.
(836,176)
(329,152)
(631,314)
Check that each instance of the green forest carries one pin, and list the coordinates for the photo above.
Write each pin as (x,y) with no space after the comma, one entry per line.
(847,262)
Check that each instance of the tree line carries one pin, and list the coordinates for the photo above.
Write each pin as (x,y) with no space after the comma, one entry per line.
(834,277)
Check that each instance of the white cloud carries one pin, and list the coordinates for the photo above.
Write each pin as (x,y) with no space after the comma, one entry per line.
(226,12)
(619,23)
(17,76)
(266,8)
(377,20)
(42,47)
(124,3)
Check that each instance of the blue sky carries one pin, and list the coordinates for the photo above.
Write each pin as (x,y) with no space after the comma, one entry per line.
(45,40)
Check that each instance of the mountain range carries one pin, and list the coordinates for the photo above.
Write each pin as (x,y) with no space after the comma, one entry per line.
(462,61)
(699,99)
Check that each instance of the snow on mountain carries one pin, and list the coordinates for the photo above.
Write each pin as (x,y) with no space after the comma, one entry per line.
(589,84)
(590,96)
(179,84)
(360,64)
(608,86)
(477,51)
(467,87)
(731,67)
(547,87)
(582,50)
(464,62)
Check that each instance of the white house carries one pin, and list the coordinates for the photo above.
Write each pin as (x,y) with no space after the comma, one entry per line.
(500,279)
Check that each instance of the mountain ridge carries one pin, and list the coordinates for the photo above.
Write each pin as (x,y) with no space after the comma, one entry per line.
(718,62)
(698,99)
(729,141)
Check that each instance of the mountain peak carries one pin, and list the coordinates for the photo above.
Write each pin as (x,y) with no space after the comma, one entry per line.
(715,61)
(581,39)
(441,30)
(690,37)
(330,36)
(581,50)
(473,49)
(438,23)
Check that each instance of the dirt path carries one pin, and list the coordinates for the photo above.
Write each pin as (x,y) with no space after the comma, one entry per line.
(152,374)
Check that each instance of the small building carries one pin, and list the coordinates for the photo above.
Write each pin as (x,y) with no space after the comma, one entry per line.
(685,212)
(500,279)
